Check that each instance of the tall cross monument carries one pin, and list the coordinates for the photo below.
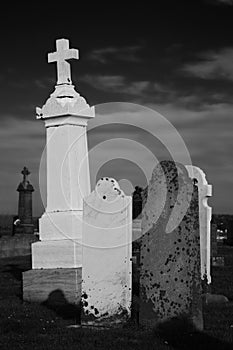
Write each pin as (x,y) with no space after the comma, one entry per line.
(25,190)
(65,115)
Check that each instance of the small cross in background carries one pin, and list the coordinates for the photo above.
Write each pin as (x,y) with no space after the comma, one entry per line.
(25,172)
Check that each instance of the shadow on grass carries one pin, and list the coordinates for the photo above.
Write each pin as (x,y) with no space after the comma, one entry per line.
(16,269)
(181,335)
(16,265)
(58,303)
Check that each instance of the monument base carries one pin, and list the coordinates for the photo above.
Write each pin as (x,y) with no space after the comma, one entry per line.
(24,229)
(60,225)
(28,228)
(63,254)
(58,289)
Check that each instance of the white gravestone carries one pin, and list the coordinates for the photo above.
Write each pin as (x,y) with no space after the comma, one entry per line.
(107,253)
(65,114)
(205,214)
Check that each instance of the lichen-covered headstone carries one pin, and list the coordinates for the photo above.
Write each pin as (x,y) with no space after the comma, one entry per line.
(107,254)
(170,278)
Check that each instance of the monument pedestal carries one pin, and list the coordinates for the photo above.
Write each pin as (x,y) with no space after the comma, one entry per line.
(59,289)
(64,253)
(61,225)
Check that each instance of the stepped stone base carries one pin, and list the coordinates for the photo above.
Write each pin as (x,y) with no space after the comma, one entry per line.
(64,254)
(56,288)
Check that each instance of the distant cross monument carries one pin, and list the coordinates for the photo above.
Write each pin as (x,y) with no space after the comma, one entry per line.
(61,56)
(25,172)
(25,190)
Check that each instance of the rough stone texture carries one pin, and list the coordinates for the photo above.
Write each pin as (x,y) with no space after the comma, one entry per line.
(170,283)
(107,253)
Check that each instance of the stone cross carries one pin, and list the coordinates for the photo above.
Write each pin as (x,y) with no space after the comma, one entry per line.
(25,172)
(61,56)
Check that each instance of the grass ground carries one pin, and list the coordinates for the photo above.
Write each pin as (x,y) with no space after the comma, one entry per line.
(31,326)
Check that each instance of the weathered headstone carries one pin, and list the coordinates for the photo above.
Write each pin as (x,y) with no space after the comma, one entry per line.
(57,258)
(25,189)
(170,278)
(205,215)
(107,253)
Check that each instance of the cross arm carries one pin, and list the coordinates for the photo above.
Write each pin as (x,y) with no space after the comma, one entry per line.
(71,54)
(66,55)
(52,57)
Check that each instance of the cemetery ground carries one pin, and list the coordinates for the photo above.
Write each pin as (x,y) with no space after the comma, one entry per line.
(31,326)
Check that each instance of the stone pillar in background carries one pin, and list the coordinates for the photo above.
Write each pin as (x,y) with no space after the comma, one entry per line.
(205,215)
(59,252)
(137,202)
(25,190)
(170,278)
(107,254)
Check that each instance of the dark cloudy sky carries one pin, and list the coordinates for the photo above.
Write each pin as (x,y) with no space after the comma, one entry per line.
(175,57)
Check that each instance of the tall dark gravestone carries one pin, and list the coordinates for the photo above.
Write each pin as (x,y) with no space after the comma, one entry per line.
(137,202)
(170,276)
(214,245)
(230,232)
(25,190)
